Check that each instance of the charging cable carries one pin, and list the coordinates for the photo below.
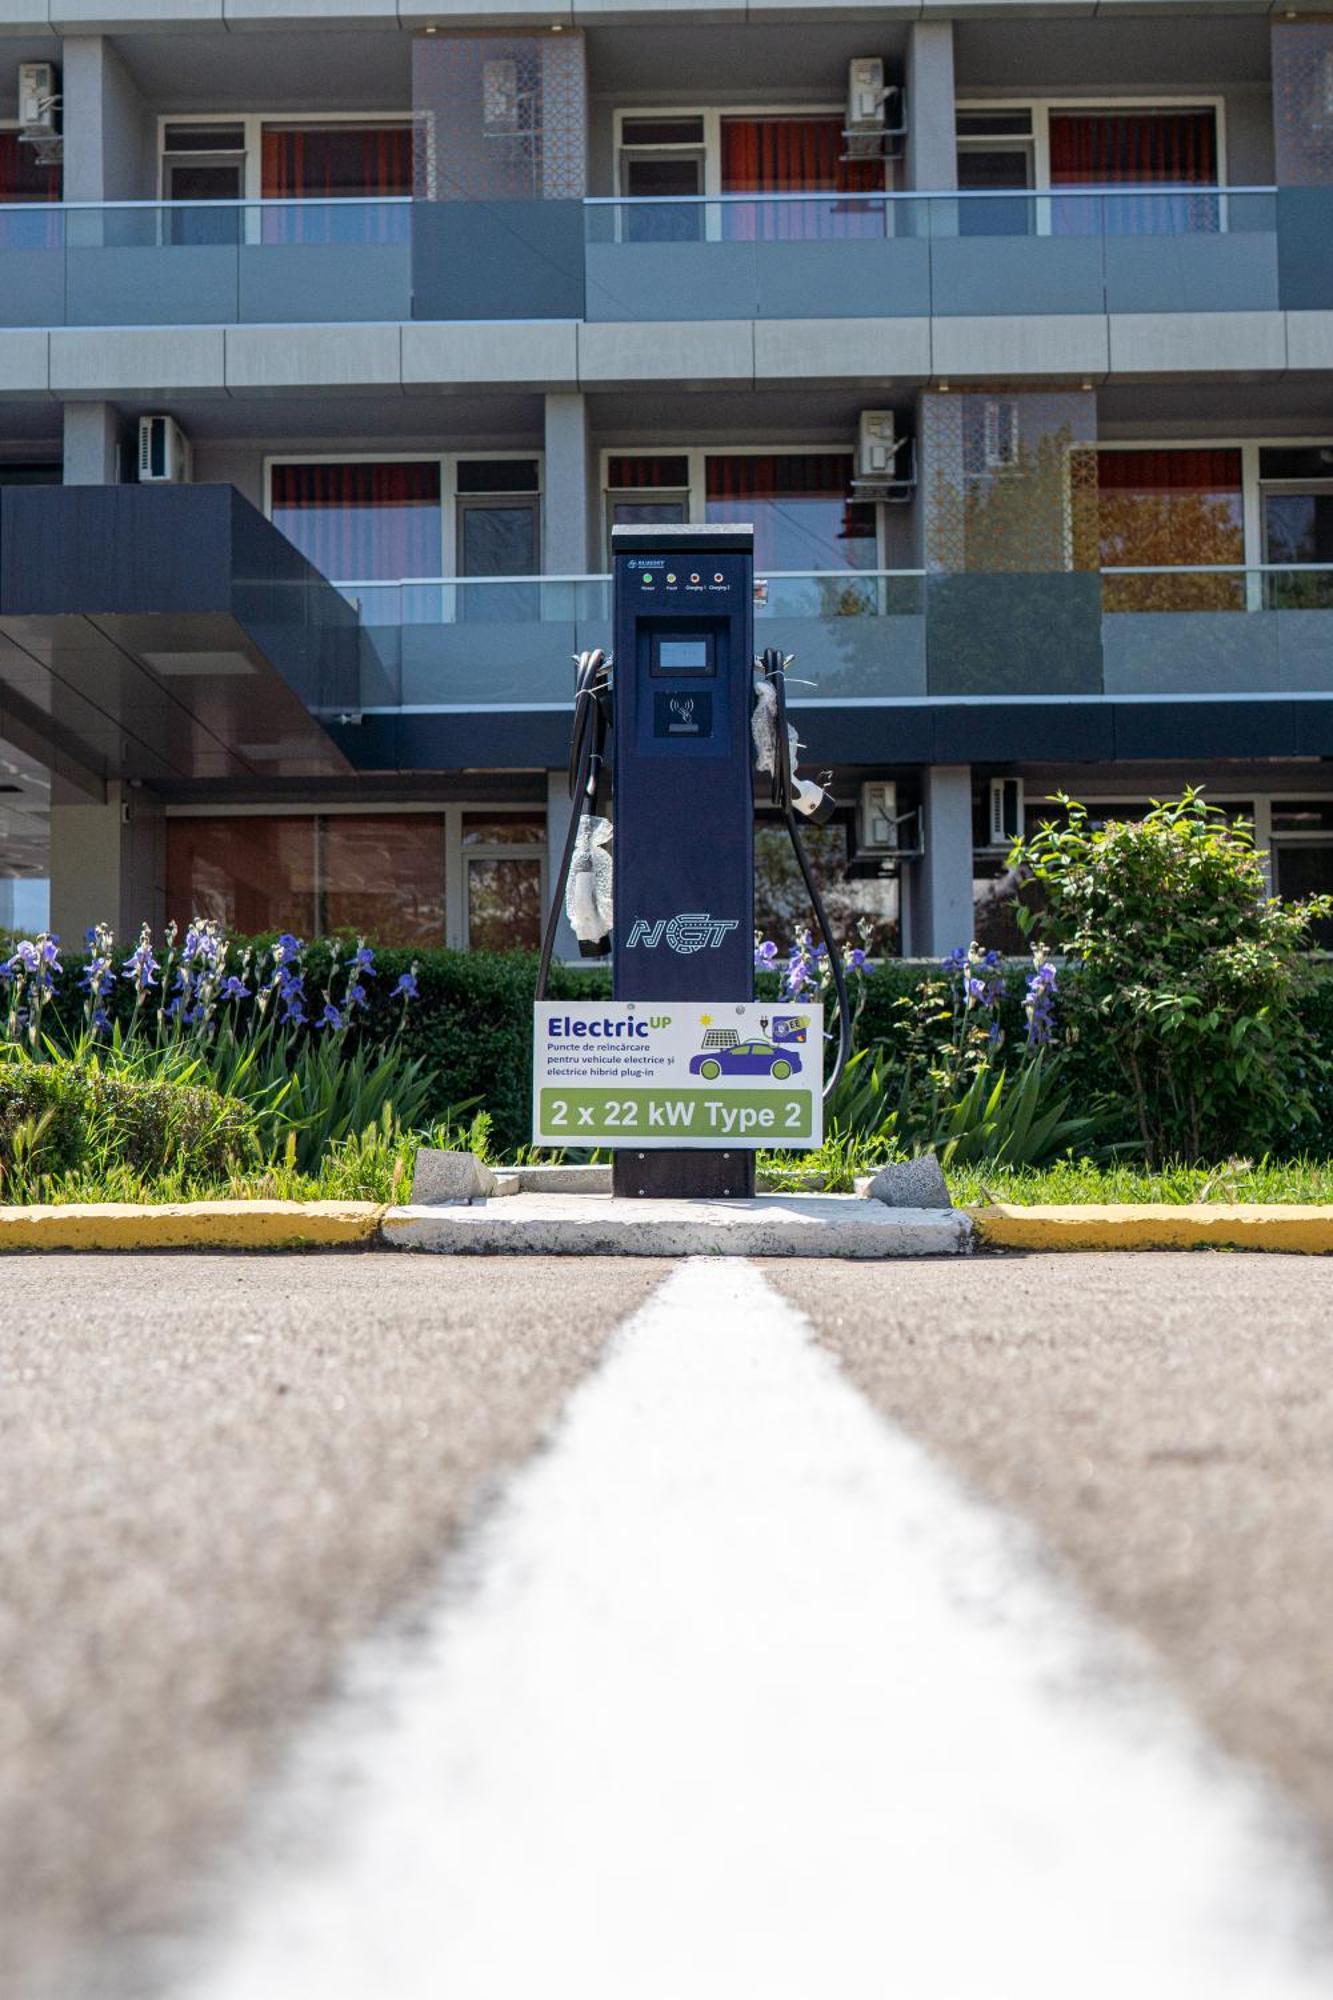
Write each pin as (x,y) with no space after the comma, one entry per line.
(587,749)
(789,792)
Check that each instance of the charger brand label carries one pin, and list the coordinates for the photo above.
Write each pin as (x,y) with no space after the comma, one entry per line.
(692,930)
(653,1073)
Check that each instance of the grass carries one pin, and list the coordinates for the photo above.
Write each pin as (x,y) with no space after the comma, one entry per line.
(1080,1181)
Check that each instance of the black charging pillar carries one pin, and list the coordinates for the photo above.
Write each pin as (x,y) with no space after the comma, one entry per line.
(684,818)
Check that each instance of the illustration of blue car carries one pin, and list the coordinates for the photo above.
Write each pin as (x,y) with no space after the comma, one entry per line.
(746,1059)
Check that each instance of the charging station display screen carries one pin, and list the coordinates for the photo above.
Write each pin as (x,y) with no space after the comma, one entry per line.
(690,655)
(678,1074)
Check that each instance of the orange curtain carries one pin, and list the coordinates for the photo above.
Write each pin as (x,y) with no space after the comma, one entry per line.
(796,156)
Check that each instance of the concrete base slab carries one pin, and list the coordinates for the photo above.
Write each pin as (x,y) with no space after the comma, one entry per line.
(775,1225)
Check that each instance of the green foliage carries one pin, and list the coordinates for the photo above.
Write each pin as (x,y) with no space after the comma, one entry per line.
(62,1117)
(1080,1180)
(1188,974)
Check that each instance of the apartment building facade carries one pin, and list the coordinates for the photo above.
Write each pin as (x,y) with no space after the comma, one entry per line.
(335,339)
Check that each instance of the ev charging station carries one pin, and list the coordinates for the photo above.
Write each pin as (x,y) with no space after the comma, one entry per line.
(685,1076)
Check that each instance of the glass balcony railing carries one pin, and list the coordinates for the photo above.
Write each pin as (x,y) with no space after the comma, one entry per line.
(205,263)
(792,256)
(1085,250)
(879,636)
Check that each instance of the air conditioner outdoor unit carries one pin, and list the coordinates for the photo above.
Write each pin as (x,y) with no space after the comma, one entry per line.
(165,453)
(1001,439)
(39,100)
(877,816)
(867,130)
(1006,811)
(876,445)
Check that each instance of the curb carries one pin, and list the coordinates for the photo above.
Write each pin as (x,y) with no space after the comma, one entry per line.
(1304,1229)
(191,1225)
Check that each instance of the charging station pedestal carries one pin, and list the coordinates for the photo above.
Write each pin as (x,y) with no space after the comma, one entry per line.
(682,763)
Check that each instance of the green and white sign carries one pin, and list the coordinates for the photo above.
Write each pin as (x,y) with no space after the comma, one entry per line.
(677,1073)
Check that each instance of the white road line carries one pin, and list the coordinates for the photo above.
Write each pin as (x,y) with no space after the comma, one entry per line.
(745,1700)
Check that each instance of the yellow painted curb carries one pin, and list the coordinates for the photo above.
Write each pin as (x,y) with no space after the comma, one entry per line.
(189,1225)
(1158,1225)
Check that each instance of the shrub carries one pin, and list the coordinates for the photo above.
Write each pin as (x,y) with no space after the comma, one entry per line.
(1189,975)
(67,1115)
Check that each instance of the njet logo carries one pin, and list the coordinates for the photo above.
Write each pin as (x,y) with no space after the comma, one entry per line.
(692,930)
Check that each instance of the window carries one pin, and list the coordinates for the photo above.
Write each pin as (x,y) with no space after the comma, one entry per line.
(249,874)
(362,521)
(1168,509)
(1048,147)
(382,877)
(642,491)
(782,903)
(797,156)
(801,506)
(502,860)
(323,164)
(663,157)
(1296,499)
(23,179)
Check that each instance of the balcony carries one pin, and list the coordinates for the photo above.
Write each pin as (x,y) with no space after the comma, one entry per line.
(881,638)
(1094,251)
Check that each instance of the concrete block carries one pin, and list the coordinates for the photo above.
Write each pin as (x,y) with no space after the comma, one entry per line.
(313,357)
(622,353)
(565,1180)
(800,350)
(442,1176)
(999,345)
(1310,340)
(1218,343)
(584,1225)
(918,1183)
(24,360)
(112,360)
(473,353)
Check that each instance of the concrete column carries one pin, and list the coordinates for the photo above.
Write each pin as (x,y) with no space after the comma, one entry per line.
(108,862)
(570,488)
(110,136)
(92,444)
(942,917)
(932,144)
(559,809)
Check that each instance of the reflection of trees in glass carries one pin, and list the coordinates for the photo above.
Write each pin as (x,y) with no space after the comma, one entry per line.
(1019,518)
(504,905)
(1167,527)
(781,906)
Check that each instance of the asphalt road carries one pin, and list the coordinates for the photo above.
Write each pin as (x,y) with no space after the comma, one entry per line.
(217,1474)
(1166,1423)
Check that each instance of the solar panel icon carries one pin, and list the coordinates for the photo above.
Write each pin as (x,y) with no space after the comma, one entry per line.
(721,1038)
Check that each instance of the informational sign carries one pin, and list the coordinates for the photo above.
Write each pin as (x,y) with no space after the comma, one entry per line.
(648,1073)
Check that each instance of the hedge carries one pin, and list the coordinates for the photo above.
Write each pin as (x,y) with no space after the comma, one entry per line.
(75,1114)
(471,1022)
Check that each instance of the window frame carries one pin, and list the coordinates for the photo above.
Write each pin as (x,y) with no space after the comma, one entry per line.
(448,462)
(253,123)
(696,457)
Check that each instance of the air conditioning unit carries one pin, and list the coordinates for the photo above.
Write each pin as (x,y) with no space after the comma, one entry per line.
(865,95)
(877,816)
(1006,811)
(39,100)
(165,453)
(500,98)
(1001,433)
(876,445)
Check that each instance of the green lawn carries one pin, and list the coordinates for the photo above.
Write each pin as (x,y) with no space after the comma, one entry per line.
(1080,1181)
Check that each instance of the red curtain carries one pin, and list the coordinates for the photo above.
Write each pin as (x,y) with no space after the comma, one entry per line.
(625,474)
(323,163)
(310,161)
(816,475)
(1134,149)
(1109,147)
(23,179)
(362,522)
(796,156)
(1203,471)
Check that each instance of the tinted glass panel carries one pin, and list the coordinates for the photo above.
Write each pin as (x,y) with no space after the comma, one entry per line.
(250,874)
(497,475)
(1167,508)
(362,522)
(662,132)
(504,905)
(503,829)
(383,877)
